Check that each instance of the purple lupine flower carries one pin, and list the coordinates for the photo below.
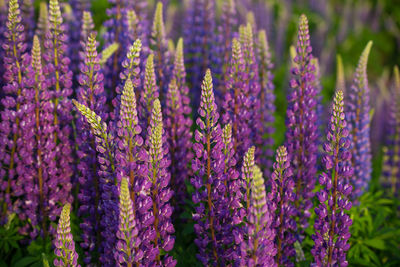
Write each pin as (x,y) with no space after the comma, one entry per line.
(130,155)
(91,94)
(3,28)
(208,166)
(158,235)
(130,70)
(391,158)
(302,131)
(359,125)
(13,111)
(159,46)
(149,93)
(236,103)
(65,246)
(60,82)
(261,239)
(199,38)
(40,190)
(253,83)
(267,99)
(332,223)
(179,143)
(108,206)
(226,31)
(126,251)
(231,223)
(282,208)
(179,74)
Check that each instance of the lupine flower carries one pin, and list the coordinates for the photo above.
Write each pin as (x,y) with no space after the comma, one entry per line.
(359,125)
(107,183)
(253,83)
(159,46)
(28,14)
(43,22)
(15,66)
(149,93)
(282,208)
(130,156)
(267,98)
(302,131)
(130,70)
(60,77)
(40,190)
(208,166)
(232,183)
(391,158)
(261,239)
(91,94)
(87,27)
(179,142)
(199,38)
(3,28)
(158,235)
(236,103)
(65,246)
(332,223)
(126,254)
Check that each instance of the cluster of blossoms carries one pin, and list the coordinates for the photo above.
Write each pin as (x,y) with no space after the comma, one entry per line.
(112,131)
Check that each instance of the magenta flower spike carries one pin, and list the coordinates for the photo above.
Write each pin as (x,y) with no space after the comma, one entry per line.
(302,130)
(332,223)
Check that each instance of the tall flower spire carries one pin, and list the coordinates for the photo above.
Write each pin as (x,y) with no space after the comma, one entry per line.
(236,103)
(302,131)
(15,66)
(208,167)
(359,124)
(158,235)
(332,223)
(282,208)
(267,98)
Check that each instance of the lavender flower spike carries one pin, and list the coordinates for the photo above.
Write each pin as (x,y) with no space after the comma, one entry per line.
(281,206)
(160,231)
(64,243)
(261,239)
(332,223)
(208,167)
(301,122)
(267,98)
(359,125)
(391,159)
(127,231)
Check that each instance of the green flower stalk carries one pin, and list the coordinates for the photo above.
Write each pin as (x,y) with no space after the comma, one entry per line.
(66,255)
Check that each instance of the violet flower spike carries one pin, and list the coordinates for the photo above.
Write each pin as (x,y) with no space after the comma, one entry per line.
(236,106)
(391,158)
(261,239)
(332,223)
(208,167)
(128,242)
(161,229)
(281,207)
(65,246)
(359,108)
(267,99)
(15,66)
(302,130)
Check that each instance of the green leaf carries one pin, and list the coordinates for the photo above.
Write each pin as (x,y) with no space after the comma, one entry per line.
(375,243)
(26,261)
